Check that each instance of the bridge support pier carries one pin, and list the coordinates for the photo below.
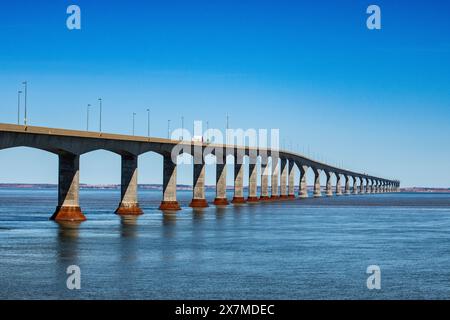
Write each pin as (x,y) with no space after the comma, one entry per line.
(338,184)
(198,194)
(366,185)
(361,185)
(355,185)
(128,189)
(303,187)
(238,179)
(264,180)
(68,208)
(317,192)
(275,172)
(283,179)
(347,185)
(375,187)
(169,202)
(291,178)
(252,180)
(328,189)
(221,182)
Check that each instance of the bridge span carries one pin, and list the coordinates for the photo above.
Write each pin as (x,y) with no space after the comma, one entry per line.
(69,145)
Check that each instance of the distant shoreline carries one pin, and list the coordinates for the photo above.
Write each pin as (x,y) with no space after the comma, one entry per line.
(158,187)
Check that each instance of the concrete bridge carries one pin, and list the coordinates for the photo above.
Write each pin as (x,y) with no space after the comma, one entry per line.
(70,144)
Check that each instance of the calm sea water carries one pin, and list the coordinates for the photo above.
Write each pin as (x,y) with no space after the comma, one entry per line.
(303,249)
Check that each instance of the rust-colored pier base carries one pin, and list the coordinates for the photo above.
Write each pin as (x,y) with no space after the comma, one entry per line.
(169,206)
(221,201)
(252,199)
(274,197)
(264,198)
(284,197)
(291,196)
(198,203)
(238,200)
(68,214)
(133,210)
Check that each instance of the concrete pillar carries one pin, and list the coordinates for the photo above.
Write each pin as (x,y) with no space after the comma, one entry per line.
(361,185)
(238,179)
(328,188)
(275,172)
(252,179)
(198,195)
(169,201)
(264,179)
(283,179)
(317,192)
(347,184)
(68,208)
(291,178)
(302,186)
(377,186)
(221,181)
(355,186)
(369,185)
(128,188)
(338,184)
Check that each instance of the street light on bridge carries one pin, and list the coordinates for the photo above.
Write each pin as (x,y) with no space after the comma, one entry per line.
(100,106)
(87,116)
(168,129)
(18,106)
(182,129)
(148,122)
(134,115)
(25,102)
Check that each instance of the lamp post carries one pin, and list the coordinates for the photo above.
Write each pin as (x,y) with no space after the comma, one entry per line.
(182,128)
(25,102)
(226,130)
(100,121)
(87,116)
(148,122)
(168,129)
(134,115)
(18,106)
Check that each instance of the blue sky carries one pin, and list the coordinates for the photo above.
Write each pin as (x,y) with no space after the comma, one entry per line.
(377,101)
